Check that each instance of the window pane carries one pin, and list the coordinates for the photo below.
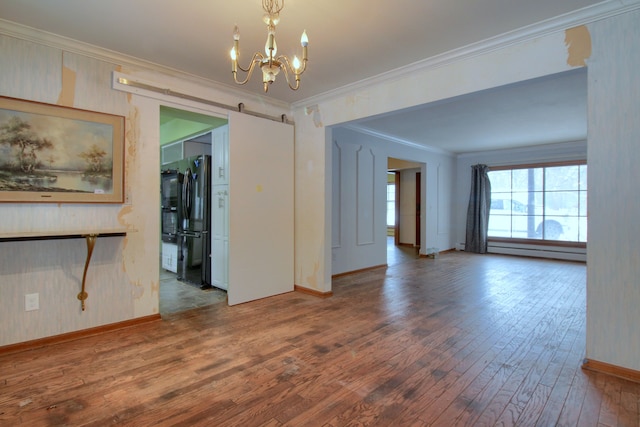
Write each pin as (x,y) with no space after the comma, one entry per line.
(570,229)
(499,225)
(532,227)
(391,205)
(583,203)
(500,181)
(519,228)
(582,233)
(527,227)
(535,203)
(518,208)
(583,177)
(525,180)
(562,178)
(551,228)
(561,203)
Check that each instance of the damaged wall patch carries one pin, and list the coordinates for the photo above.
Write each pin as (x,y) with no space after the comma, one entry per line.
(578,42)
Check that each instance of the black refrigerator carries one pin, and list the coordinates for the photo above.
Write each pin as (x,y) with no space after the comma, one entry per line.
(193,217)
(169,205)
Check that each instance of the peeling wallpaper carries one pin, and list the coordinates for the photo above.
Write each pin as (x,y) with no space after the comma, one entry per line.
(578,41)
(121,270)
(67,94)
(123,277)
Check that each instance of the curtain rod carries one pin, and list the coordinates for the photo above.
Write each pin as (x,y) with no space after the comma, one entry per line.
(240,108)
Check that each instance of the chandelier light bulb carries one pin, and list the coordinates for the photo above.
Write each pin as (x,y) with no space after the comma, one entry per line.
(236,33)
(234,55)
(296,64)
(304,40)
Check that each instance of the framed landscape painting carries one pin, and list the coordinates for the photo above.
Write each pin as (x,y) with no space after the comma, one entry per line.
(55,154)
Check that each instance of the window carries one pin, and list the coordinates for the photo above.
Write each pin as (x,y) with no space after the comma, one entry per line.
(391,203)
(547,202)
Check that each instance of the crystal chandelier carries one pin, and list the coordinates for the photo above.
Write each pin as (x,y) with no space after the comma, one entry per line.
(269,63)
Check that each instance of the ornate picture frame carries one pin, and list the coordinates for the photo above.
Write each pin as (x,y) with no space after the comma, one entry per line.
(56,154)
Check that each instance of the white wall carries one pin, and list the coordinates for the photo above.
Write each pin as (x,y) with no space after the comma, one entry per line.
(350,251)
(359,233)
(613,267)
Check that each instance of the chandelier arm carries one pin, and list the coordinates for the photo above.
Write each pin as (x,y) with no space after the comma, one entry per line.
(285,60)
(285,67)
(246,70)
(257,58)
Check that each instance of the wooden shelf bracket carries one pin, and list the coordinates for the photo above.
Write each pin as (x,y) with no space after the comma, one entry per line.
(91,242)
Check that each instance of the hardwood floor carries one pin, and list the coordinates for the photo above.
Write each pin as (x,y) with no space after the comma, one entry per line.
(476,340)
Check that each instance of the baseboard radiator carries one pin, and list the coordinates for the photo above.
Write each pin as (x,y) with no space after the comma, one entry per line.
(537,251)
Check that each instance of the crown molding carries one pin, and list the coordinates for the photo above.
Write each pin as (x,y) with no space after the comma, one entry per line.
(567,150)
(66,44)
(397,140)
(553,25)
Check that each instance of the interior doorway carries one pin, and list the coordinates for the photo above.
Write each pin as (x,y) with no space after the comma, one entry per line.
(258,187)
(404,200)
(183,135)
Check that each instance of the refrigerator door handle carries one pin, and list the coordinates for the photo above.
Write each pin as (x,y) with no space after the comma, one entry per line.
(187,190)
(190,234)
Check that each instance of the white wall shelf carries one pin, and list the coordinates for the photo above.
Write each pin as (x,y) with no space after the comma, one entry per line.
(19,236)
(90,237)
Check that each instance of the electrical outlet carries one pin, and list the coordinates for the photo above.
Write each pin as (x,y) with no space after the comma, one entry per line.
(31,302)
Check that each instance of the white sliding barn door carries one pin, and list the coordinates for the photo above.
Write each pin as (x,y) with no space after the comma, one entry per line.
(261,208)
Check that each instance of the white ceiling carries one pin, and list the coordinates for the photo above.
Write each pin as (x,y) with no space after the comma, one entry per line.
(349,41)
(541,111)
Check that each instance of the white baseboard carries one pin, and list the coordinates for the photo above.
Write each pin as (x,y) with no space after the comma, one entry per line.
(538,251)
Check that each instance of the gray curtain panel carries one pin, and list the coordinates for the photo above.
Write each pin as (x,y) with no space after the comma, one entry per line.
(478,211)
